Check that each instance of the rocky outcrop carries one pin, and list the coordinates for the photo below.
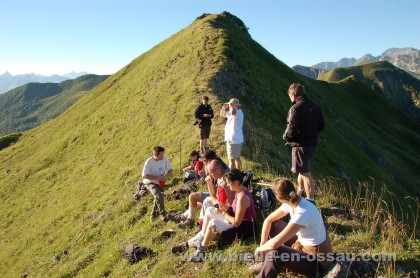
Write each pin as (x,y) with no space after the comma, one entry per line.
(410,62)
(407,59)
(309,71)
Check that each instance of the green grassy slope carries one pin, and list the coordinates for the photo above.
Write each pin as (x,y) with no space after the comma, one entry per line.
(398,86)
(32,104)
(66,185)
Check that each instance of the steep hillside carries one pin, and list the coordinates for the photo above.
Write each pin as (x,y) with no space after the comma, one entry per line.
(65,186)
(399,87)
(32,104)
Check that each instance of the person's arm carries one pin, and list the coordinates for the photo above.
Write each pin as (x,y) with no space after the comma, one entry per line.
(292,126)
(241,206)
(274,216)
(211,115)
(168,175)
(198,113)
(223,111)
(211,188)
(146,173)
(274,243)
(151,177)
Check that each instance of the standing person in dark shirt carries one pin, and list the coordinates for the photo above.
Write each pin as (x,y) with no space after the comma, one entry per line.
(204,114)
(304,122)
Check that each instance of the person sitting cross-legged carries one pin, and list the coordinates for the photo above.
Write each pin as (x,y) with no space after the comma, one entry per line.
(216,220)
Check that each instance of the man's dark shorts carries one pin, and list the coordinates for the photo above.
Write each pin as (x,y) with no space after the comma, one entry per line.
(301,159)
(204,132)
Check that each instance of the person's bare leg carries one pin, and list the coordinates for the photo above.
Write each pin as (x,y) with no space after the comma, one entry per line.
(204,145)
(193,200)
(309,184)
(301,184)
(232,163)
(238,163)
(209,235)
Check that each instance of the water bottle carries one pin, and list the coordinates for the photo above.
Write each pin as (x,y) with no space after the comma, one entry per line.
(264,200)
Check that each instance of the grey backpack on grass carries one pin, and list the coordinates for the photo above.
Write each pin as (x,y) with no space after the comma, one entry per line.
(134,253)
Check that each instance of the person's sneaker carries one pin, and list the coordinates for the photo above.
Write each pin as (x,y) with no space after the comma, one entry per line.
(179,248)
(199,255)
(189,223)
(196,240)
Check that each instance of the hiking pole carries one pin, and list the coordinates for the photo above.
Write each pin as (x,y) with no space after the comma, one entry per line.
(180,155)
(264,184)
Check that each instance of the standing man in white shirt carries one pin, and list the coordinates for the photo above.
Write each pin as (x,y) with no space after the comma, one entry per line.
(233,131)
(156,172)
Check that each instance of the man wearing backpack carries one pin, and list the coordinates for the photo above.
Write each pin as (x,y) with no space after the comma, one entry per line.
(204,114)
(156,171)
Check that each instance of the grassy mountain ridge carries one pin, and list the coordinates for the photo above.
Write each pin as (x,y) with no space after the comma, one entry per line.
(399,87)
(35,103)
(66,185)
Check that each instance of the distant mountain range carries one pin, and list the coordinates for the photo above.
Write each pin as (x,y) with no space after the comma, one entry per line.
(395,84)
(9,81)
(407,58)
(32,104)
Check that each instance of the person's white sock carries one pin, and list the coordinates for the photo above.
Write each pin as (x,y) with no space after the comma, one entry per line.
(191,212)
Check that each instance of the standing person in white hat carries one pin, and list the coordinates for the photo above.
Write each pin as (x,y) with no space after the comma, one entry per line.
(234,136)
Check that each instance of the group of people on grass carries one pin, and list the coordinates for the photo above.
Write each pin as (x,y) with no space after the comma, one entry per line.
(227,208)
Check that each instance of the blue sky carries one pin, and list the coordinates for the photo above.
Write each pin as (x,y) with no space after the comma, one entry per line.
(102,36)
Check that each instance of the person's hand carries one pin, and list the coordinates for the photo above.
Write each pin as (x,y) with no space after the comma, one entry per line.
(259,254)
(218,211)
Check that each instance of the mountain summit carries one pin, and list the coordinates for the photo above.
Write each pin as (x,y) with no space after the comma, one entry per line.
(66,185)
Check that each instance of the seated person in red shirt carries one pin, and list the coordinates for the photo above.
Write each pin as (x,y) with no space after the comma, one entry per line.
(192,171)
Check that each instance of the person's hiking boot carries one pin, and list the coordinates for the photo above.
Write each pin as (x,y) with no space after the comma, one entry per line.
(180,218)
(199,255)
(189,223)
(196,240)
(164,218)
(178,249)
(256,268)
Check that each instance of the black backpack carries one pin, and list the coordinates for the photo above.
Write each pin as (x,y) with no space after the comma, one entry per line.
(134,253)
(247,178)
